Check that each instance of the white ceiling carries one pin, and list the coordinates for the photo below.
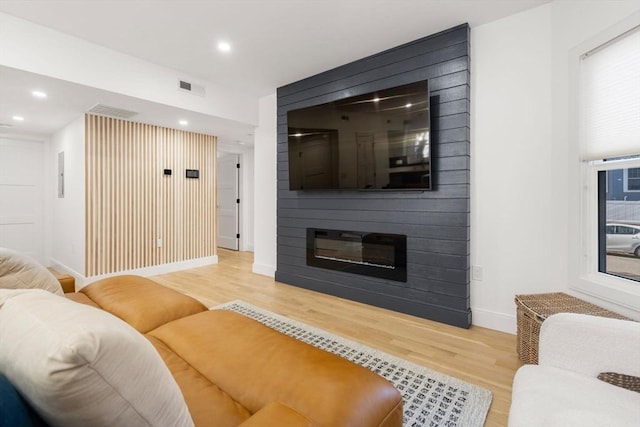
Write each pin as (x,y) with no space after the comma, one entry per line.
(67,101)
(274,42)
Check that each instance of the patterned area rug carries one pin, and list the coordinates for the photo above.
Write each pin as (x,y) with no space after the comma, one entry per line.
(430,398)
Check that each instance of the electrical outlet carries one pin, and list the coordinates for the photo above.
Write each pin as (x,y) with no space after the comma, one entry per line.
(476,273)
(159,243)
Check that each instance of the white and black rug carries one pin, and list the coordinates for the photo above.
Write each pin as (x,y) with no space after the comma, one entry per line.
(430,398)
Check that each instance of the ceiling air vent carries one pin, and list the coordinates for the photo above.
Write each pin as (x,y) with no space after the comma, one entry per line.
(105,110)
(193,88)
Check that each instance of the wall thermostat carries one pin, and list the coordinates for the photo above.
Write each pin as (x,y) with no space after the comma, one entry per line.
(193,173)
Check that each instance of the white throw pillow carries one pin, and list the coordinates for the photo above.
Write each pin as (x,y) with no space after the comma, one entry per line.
(80,366)
(19,271)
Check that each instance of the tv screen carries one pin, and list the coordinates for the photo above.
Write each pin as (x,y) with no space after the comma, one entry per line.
(375,141)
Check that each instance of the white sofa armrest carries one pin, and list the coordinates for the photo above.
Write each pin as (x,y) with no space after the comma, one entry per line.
(589,344)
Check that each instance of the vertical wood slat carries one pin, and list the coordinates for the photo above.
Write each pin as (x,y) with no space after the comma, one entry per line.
(130,203)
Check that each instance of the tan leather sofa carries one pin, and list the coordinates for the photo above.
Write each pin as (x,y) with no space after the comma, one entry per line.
(234,371)
(67,281)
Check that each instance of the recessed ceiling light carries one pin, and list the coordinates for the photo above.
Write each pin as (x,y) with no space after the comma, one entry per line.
(39,94)
(18,118)
(376,99)
(408,105)
(183,122)
(224,47)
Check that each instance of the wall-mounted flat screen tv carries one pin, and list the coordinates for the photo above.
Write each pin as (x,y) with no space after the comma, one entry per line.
(375,141)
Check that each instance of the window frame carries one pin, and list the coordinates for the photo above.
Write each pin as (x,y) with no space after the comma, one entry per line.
(591,281)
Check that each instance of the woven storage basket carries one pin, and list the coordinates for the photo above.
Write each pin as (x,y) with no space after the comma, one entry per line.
(534,309)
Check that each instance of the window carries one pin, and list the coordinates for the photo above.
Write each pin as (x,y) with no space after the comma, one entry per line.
(618,225)
(609,103)
(626,230)
(632,179)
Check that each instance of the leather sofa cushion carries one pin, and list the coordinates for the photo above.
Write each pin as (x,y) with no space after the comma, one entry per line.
(141,302)
(255,366)
(209,406)
(80,366)
(81,298)
(278,415)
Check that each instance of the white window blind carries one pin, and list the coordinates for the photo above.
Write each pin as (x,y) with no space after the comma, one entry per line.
(610,79)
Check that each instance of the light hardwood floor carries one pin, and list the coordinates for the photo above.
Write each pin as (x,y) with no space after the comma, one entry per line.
(477,355)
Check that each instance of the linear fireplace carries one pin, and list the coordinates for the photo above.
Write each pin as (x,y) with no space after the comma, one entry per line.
(370,254)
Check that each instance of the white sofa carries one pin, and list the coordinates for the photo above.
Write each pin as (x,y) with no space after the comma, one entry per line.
(563,390)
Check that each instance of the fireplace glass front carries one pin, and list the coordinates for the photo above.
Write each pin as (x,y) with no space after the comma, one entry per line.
(372,254)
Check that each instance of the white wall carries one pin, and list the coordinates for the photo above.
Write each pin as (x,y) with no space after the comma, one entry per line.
(265,188)
(512,237)
(522,185)
(22,206)
(67,215)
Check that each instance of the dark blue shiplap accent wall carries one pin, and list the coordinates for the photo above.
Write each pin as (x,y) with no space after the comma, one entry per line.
(436,222)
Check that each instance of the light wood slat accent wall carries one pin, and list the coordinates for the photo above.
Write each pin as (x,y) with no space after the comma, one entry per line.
(130,204)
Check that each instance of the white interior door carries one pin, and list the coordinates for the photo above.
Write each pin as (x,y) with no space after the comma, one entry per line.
(228,205)
(22,197)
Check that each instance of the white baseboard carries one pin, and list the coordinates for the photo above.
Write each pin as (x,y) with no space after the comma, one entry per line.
(265,270)
(82,280)
(493,320)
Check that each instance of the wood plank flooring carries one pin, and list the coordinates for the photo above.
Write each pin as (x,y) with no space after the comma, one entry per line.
(477,355)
